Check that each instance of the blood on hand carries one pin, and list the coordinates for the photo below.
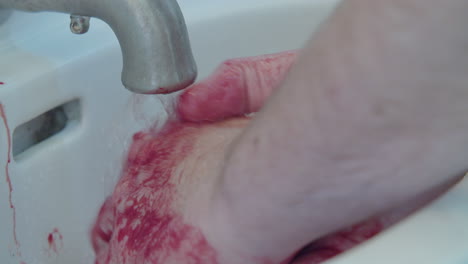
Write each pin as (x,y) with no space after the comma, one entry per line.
(145,220)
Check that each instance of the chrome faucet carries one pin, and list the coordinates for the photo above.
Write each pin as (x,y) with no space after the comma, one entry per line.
(157,56)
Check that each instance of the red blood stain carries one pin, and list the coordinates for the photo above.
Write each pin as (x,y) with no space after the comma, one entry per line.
(332,245)
(138,224)
(221,103)
(53,238)
(236,88)
(8,179)
(2,83)
(163,90)
(269,261)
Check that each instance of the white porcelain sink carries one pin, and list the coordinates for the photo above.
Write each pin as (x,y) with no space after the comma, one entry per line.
(60,183)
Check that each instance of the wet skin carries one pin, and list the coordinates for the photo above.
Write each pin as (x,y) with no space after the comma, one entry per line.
(161,209)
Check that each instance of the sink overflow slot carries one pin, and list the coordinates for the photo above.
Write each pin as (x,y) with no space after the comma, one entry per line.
(37,130)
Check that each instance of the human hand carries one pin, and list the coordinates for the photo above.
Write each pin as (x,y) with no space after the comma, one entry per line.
(240,81)
(369,118)
(164,196)
(235,248)
(371,114)
(238,87)
(164,199)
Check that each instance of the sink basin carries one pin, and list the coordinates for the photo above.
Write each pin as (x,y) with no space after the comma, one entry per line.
(71,121)
(60,179)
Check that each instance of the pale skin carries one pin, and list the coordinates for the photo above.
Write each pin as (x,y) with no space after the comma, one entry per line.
(215,139)
(371,116)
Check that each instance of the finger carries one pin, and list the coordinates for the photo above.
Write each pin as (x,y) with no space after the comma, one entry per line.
(102,230)
(237,87)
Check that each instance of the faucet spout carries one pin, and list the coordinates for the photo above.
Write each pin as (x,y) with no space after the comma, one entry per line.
(157,56)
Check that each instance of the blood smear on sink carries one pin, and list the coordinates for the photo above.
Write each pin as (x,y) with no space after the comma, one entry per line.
(8,179)
(53,238)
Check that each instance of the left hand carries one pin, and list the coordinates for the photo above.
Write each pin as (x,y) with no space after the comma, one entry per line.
(160,209)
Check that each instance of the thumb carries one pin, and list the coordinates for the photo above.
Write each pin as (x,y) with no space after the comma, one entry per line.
(237,87)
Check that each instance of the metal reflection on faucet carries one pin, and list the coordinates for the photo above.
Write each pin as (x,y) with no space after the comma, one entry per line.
(79,24)
(157,56)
